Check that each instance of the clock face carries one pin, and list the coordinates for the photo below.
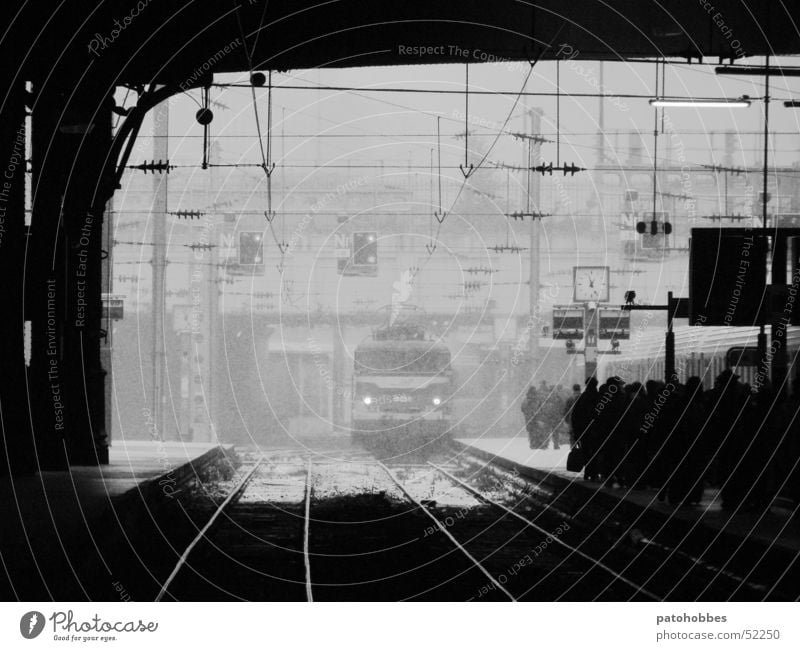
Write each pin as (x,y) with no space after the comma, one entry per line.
(591,284)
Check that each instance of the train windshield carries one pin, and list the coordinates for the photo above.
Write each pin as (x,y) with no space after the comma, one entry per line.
(402,362)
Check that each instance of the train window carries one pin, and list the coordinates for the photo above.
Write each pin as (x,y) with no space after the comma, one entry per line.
(402,361)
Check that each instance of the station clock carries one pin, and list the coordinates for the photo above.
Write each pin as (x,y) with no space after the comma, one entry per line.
(590,284)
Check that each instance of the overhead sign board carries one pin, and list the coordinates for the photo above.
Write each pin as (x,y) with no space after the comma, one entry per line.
(727,277)
(567,323)
(113,306)
(614,324)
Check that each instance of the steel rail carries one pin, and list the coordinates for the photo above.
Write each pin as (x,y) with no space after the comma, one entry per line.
(233,495)
(556,539)
(699,562)
(444,530)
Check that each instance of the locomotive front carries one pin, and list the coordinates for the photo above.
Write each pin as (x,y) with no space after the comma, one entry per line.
(402,386)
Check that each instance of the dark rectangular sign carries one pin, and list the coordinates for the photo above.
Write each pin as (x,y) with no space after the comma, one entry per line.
(113,307)
(567,323)
(614,324)
(727,277)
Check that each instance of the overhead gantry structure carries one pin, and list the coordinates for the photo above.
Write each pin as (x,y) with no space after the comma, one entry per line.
(62,64)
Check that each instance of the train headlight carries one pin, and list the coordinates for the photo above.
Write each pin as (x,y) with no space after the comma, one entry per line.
(437,401)
(367,400)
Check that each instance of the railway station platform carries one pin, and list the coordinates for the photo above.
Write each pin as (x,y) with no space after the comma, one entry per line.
(733,538)
(54,522)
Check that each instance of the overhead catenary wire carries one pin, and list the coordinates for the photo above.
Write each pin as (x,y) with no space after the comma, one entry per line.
(692,167)
(320,86)
(450,91)
(582,146)
(267,164)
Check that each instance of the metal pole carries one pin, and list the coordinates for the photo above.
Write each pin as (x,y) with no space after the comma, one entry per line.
(534,117)
(601,122)
(766,142)
(590,349)
(778,330)
(159,215)
(107,344)
(655,150)
(669,354)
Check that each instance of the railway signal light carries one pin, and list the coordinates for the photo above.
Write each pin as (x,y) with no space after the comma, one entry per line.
(365,248)
(251,248)
(653,227)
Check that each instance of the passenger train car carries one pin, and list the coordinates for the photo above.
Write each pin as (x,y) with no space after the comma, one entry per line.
(701,351)
(402,387)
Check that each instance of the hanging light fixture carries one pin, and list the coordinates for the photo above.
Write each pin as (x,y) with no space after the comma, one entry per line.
(688,102)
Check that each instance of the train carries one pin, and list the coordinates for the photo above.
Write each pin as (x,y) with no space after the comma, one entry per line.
(699,351)
(402,388)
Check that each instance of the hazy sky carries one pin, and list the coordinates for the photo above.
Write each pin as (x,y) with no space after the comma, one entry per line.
(371,125)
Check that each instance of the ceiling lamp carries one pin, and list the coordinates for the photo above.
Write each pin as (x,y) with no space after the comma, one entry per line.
(688,102)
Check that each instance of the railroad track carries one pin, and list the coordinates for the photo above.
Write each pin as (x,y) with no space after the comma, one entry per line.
(528,560)
(251,546)
(297,527)
(666,572)
(360,546)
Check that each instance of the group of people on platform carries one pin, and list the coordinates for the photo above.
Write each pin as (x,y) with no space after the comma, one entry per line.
(543,409)
(678,438)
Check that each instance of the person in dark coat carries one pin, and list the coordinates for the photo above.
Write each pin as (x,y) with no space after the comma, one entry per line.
(610,433)
(583,425)
(569,405)
(760,456)
(729,404)
(690,457)
(671,432)
(530,408)
(552,410)
(635,455)
(653,435)
(787,426)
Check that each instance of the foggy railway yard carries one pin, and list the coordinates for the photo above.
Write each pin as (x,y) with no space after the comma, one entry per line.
(460,304)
